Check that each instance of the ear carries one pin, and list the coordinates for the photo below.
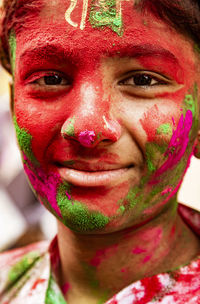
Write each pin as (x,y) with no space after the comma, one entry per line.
(197,146)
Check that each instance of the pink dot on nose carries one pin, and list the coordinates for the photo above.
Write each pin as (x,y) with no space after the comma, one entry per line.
(86,138)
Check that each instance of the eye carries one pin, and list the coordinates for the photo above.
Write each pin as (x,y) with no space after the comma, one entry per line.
(142,79)
(52,80)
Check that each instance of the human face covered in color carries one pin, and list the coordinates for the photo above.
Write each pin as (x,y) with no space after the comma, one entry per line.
(106,111)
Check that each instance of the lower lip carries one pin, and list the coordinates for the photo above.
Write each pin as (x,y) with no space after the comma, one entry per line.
(92,179)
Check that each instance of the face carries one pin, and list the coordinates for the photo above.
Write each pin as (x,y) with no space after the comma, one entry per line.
(106,112)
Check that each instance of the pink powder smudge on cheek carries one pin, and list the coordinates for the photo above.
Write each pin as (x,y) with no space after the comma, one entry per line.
(178,144)
(65,288)
(86,138)
(138,250)
(68,195)
(167,190)
(45,185)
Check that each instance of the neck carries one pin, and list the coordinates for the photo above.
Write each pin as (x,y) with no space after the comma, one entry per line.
(98,266)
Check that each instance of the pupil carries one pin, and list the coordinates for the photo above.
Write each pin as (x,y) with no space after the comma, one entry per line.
(52,80)
(142,80)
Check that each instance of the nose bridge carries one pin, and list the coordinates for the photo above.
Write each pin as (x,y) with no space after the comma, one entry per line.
(90,121)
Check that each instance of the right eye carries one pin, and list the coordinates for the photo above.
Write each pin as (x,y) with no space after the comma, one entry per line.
(53,80)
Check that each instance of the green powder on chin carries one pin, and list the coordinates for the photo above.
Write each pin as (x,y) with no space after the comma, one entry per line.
(104,14)
(22,266)
(77,216)
(24,141)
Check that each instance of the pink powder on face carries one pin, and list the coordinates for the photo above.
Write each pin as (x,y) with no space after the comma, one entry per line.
(45,185)
(146,259)
(178,143)
(68,196)
(86,138)
(138,250)
(167,190)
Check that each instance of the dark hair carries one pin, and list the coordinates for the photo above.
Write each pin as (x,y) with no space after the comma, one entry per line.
(184,15)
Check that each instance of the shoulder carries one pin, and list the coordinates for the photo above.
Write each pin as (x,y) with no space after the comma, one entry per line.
(15,264)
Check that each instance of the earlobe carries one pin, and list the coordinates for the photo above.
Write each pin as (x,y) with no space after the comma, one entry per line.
(197,146)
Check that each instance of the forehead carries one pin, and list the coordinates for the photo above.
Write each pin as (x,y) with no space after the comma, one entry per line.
(99,27)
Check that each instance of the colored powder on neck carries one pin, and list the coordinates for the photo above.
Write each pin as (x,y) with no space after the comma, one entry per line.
(76,216)
(54,294)
(12,45)
(65,288)
(24,140)
(105,13)
(21,267)
(86,138)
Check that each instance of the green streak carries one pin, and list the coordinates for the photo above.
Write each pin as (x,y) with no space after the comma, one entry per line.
(12,44)
(18,270)
(165,129)
(70,128)
(191,103)
(24,141)
(54,294)
(152,151)
(77,216)
(104,14)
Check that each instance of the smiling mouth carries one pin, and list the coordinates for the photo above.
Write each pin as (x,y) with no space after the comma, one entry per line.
(93,178)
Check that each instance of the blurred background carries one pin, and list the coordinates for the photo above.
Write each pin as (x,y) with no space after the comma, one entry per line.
(22,219)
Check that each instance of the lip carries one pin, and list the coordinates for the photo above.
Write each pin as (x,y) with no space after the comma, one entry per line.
(92,178)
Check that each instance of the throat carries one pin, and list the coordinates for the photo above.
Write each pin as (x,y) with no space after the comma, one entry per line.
(98,266)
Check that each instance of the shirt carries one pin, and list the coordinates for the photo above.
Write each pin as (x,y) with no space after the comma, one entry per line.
(27,275)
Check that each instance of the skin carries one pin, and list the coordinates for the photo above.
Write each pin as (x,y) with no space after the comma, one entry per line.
(99,118)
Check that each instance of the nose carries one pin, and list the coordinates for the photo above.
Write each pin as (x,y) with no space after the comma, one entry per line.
(90,122)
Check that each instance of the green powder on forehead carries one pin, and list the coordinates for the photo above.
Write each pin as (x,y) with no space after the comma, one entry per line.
(76,215)
(70,128)
(22,266)
(12,45)
(105,13)
(24,140)
(165,129)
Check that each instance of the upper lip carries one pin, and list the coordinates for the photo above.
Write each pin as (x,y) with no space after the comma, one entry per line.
(91,166)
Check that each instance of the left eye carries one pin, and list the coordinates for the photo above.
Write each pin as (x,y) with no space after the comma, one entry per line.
(143,80)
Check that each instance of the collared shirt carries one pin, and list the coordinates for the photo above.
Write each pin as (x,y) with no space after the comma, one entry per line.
(27,276)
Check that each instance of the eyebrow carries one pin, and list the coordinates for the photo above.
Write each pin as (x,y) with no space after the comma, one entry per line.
(57,53)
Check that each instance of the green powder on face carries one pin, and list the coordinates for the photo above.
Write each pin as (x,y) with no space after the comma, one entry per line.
(105,13)
(191,103)
(197,48)
(152,151)
(12,44)
(24,141)
(70,128)
(76,216)
(165,129)
(54,294)
(22,266)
